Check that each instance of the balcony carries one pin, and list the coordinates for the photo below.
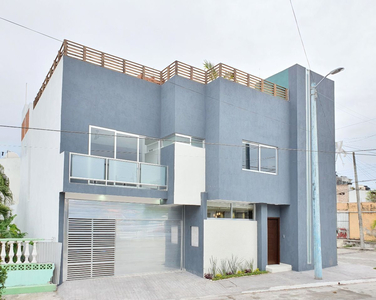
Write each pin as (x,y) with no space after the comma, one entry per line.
(99,170)
(93,56)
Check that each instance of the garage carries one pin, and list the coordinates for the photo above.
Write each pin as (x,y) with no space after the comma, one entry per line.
(117,238)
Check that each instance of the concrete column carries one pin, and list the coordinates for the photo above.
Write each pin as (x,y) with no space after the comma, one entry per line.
(262,235)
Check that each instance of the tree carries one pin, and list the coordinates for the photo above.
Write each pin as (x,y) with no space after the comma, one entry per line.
(7,228)
(371,196)
(6,196)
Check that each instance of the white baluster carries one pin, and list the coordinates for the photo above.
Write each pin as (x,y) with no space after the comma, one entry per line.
(27,252)
(3,254)
(11,252)
(34,254)
(19,253)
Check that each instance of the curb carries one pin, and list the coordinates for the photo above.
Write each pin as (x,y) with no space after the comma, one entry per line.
(310,285)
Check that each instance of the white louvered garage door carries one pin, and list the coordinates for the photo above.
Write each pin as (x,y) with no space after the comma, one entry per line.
(91,248)
(115,238)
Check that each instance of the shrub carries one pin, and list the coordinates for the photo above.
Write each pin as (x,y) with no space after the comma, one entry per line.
(248,265)
(223,267)
(233,264)
(213,266)
(3,277)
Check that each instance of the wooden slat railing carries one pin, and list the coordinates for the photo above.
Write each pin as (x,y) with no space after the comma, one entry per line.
(128,67)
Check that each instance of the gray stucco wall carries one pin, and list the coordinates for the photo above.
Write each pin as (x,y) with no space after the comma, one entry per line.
(236,113)
(194,216)
(262,235)
(294,217)
(223,113)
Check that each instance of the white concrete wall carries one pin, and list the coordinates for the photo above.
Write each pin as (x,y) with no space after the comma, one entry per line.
(362,196)
(12,167)
(42,164)
(226,237)
(189,176)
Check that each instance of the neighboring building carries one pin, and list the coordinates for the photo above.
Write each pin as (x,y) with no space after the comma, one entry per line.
(148,171)
(363,191)
(12,166)
(343,189)
(368,217)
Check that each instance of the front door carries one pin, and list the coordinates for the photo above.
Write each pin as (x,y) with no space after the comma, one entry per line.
(273,241)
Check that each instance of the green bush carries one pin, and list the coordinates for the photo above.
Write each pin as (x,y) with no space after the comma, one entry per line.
(3,277)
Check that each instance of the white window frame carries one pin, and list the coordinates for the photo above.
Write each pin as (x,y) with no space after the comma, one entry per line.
(184,136)
(116,132)
(259,157)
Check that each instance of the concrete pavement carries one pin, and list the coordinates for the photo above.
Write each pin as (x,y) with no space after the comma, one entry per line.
(353,265)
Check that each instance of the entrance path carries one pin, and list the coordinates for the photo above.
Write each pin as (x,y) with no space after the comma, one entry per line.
(353,265)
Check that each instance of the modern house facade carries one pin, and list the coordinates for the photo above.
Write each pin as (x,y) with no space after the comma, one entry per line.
(142,170)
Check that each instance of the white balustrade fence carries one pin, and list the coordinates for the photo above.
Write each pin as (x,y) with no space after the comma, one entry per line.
(19,251)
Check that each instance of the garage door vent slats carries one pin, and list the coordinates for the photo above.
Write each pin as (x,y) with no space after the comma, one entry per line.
(91,248)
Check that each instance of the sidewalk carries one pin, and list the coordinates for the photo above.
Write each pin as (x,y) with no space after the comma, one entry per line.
(353,265)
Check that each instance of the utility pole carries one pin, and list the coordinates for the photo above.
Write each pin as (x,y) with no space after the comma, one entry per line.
(360,218)
(317,256)
(316,222)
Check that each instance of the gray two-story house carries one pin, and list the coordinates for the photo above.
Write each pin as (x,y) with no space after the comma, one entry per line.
(141,170)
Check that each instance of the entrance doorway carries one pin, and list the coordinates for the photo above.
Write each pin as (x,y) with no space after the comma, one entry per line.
(273,241)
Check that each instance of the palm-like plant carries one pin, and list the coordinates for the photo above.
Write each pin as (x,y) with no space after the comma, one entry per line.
(208,66)
(6,196)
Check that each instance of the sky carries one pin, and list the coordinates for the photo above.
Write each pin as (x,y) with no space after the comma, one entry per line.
(259,37)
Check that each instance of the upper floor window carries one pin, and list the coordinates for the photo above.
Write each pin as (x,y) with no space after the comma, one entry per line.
(185,139)
(259,158)
(120,145)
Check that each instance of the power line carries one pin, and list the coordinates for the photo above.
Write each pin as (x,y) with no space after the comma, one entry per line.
(123,135)
(300,35)
(36,31)
(370,120)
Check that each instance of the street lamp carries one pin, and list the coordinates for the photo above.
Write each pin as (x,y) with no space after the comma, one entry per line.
(315,179)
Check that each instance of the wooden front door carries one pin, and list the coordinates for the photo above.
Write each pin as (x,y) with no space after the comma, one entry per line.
(273,241)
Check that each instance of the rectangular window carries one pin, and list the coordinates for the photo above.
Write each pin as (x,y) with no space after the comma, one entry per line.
(123,146)
(230,210)
(102,142)
(219,210)
(259,158)
(126,147)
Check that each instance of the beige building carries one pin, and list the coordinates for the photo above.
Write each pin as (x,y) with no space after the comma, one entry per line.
(368,216)
(343,189)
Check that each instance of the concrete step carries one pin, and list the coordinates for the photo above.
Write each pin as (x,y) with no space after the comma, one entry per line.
(278,268)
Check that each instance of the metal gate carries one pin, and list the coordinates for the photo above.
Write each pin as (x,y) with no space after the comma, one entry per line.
(91,248)
(343,225)
(114,238)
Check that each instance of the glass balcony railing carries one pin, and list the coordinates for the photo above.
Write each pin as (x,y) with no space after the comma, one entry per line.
(107,171)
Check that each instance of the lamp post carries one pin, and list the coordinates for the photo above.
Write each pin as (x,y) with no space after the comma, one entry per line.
(315,179)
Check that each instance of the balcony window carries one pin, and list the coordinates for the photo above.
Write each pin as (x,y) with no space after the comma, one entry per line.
(126,146)
(259,158)
(102,142)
